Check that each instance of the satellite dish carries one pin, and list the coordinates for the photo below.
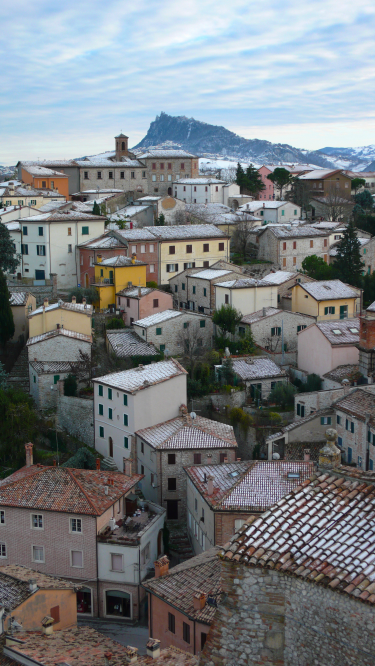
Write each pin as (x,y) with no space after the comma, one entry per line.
(276,456)
(193,415)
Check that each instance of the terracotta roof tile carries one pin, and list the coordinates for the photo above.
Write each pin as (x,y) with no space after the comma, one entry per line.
(183,433)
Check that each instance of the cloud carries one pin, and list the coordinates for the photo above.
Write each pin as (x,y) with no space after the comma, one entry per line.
(73,75)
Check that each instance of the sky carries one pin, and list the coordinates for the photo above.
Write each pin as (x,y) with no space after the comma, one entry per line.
(75,74)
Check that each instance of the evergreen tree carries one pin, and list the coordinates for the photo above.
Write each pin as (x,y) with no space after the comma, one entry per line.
(254,183)
(227,318)
(160,221)
(357,183)
(365,200)
(96,209)
(299,194)
(6,316)
(240,175)
(280,177)
(348,266)
(316,268)
(9,260)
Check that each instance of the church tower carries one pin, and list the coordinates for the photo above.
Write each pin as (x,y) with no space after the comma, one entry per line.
(121,146)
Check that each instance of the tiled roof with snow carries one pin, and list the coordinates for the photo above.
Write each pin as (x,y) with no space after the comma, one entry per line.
(44,171)
(327,290)
(318,174)
(341,331)
(243,283)
(134,235)
(157,318)
(133,292)
(199,181)
(300,422)
(128,343)
(279,277)
(359,403)
(348,371)
(106,241)
(371,308)
(127,211)
(154,152)
(76,307)
(120,260)
(18,297)
(260,314)
(140,378)
(257,368)
(182,231)
(322,531)
(65,216)
(293,231)
(211,273)
(15,225)
(186,433)
(56,333)
(96,161)
(51,367)
(249,486)
(64,489)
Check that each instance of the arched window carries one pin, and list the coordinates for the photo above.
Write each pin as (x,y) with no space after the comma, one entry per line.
(118,603)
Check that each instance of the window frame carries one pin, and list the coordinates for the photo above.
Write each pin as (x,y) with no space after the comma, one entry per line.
(71,530)
(75,566)
(37,528)
(42,548)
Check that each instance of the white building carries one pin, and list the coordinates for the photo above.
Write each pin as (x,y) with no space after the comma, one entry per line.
(131,400)
(246,294)
(205,190)
(278,212)
(49,241)
(170,330)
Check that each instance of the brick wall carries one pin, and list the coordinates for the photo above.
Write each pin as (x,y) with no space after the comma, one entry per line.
(271,619)
(225,525)
(148,253)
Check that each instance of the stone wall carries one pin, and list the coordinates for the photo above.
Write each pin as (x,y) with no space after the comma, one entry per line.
(172,332)
(40,292)
(268,618)
(76,416)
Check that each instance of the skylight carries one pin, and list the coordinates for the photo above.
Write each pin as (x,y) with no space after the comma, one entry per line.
(353,330)
(293,475)
(233,474)
(337,331)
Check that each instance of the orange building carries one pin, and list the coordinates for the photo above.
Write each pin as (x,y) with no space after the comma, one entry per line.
(46,179)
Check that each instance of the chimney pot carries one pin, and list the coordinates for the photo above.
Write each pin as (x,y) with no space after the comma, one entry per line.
(161,566)
(128,466)
(199,600)
(106,490)
(29,454)
(153,648)
(131,654)
(210,485)
(54,462)
(98,463)
(32,585)
(84,301)
(264,312)
(306,454)
(139,292)
(238,459)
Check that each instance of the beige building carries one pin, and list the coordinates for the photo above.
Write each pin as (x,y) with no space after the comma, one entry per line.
(72,316)
(163,167)
(327,344)
(194,288)
(285,280)
(22,304)
(326,299)
(246,294)
(26,195)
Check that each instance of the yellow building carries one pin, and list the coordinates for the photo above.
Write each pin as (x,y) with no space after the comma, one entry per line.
(117,273)
(21,303)
(72,316)
(25,195)
(326,299)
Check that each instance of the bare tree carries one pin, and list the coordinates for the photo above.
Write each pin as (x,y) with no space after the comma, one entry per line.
(180,217)
(337,203)
(242,235)
(191,341)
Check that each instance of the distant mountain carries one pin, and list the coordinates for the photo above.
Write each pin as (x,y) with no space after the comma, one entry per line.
(214,141)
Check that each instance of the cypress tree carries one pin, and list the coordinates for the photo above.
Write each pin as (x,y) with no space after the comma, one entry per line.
(348,266)
(9,260)
(96,209)
(6,316)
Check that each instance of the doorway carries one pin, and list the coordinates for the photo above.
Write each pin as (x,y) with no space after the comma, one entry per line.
(110,442)
(172,509)
(170,191)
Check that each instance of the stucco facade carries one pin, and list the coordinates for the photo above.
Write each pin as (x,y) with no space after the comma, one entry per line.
(195,289)
(303,301)
(246,299)
(20,314)
(72,317)
(205,190)
(138,303)
(317,355)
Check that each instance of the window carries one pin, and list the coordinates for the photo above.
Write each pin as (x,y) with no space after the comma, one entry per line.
(301,327)
(284,262)
(203,640)
(182,166)
(329,310)
(351,426)
(197,458)
(176,288)
(158,331)
(171,623)
(76,525)
(38,553)
(172,483)
(3,550)
(126,442)
(110,175)
(109,394)
(154,165)
(100,410)
(294,261)
(69,231)
(171,458)
(101,431)
(151,247)
(126,420)
(295,212)
(169,166)
(125,400)
(294,245)
(206,264)
(99,175)
(155,302)
(36,521)
(189,249)
(284,244)
(172,249)
(338,419)
(223,457)
(300,410)
(40,231)
(238,524)
(132,175)
(343,311)
(76,558)
(41,250)
(44,183)
(152,268)
(69,249)
(194,290)
(110,413)
(24,249)
(206,247)
(142,447)
(195,505)
(221,247)
(85,231)
(118,603)
(216,189)
(85,175)
(183,286)
(116,562)
(339,442)
(186,632)
(33,202)
(100,389)
(350,454)
(2,517)
(122,175)
(56,378)
(226,299)
(325,420)
(276,330)
(55,613)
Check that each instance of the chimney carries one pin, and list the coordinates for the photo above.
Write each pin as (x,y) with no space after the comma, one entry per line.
(264,312)
(330,454)
(45,303)
(47,625)
(183,410)
(98,463)
(306,455)
(130,284)
(84,302)
(54,462)
(139,292)
(199,600)
(29,454)
(131,654)
(128,467)
(210,485)
(264,205)
(153,648)
(106,490)
(238,459)
(345,384)
(74,300)
(32,585)
(161,566)
(204,477)
(107,658)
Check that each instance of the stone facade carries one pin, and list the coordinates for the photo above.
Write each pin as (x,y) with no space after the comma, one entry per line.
(270,619)
(43,386)
(59,348)
(315,400)
(134,178)
(76,416)
(169,333)
(197,293)
(289,252)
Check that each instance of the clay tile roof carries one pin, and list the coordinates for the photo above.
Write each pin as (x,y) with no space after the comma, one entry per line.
(23,574)
(64,489)
(257,368)
(358,403)
(324,526)
(184,433)
(137,379)
(178,586)
(170,656)
(249,485)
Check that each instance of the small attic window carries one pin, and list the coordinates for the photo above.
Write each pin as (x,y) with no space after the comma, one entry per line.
(353,330)
(337,331)
(233,474)
(327,287)
(293,475)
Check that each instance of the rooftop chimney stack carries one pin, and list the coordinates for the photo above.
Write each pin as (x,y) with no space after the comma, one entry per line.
(153,648)
(128,467)
(264,312)
(29,454)
(346,385)
(47,625)
(45,303)
(139,292)
(161,566)
(330,454)
(131,655)
(98,463)
(306,455)
(199,600)
(32,585)
(210,485)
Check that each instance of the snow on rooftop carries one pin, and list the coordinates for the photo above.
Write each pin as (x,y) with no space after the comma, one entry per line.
(76,307)
(165,153)
(316,174)
(157,318)
(258,205)
(256,368)
(106,241)
(44,171)
(18,297)
(279,277)
(140,378)
(186,433)
(260,314)
(342,331)
(200,181)
(323,290)
(243,283)
(128,343)
(120,261)
(211,273)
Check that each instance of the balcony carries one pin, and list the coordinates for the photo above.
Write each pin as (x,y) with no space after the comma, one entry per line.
(102,281)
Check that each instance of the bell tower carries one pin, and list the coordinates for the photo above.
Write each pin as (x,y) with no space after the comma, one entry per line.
(121,146)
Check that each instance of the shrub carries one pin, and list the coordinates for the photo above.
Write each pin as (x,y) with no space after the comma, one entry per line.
(283,395)
(152,284)
(275,417)
(115,322)
(238,415)
(70,385)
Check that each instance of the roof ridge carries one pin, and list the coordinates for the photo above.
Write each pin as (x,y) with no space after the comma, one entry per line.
(69,469)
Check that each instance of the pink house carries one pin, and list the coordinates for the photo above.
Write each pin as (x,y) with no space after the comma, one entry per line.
(269,191)
(324,346)
(139,302)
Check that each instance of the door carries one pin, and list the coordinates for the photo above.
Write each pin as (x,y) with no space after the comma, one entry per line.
(40,275)
(110,442)
(343,311)
(172,509)
(111,277)
(256,391)
(170,191)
